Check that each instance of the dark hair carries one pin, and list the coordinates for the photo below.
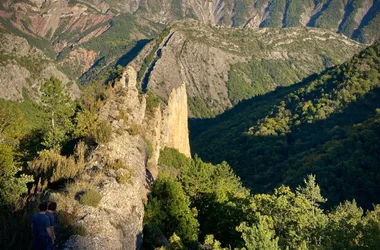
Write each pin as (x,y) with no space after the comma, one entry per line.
(52,206)
(43,206)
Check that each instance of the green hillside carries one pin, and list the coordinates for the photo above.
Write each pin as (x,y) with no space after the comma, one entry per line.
(327,125)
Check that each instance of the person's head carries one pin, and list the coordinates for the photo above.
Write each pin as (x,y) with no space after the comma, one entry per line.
(52,206)
(43,206)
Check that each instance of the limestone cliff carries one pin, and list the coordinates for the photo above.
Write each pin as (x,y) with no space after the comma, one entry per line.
(116,223)
(175,132)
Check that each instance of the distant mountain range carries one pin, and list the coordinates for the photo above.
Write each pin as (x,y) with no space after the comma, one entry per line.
(61,21)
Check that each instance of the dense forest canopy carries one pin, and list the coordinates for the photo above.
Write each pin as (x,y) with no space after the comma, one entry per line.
(327,125)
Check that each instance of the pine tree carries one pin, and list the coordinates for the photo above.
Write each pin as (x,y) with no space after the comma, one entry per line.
(59,109)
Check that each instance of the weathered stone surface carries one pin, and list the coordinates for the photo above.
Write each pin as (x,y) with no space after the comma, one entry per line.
(175,132)
(117,221)
(24,68)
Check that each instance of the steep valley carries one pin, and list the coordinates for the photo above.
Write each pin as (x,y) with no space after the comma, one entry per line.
(222,66)
(188,124)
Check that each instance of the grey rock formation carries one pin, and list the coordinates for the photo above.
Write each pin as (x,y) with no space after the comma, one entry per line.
(116,223)
(23,68)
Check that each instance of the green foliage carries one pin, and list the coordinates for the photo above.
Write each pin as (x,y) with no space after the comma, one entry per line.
(293,12)
(169,209)
(240,12)
(259,236)
(50,166)
(214,191)
(59,109)
(199,109)
(103,132)
(152,102)
(91,197)
(175,243)
(276,9)
(211,243)
(88,125)
(259,77)
(123,176)
(238,89)
(12,123)
(348,24)
(151,56)
(12,184)
(330,17)
(12,180)
(326,125)
(369,33)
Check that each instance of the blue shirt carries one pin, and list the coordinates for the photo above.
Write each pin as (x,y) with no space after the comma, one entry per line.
(40,223)
(51,218)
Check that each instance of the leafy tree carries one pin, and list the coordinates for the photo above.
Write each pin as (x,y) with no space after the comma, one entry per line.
(292,217)
(169,209)
(12,185)
(344,227)
(175,243)
(311,192)
(12,123)
(211,243)
(259,236)
(12,128)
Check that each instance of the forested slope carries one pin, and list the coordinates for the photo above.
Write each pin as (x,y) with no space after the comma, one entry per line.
(327,125)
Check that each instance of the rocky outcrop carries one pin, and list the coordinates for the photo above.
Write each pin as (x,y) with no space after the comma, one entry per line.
(116,223)
(23,68)
(175,132)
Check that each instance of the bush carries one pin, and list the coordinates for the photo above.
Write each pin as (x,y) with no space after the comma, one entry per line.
(118,164)
(103,132)
(69,226)
(135,129)
(123,176)
(78,229)
(152,102)
(90,198)
(50,166)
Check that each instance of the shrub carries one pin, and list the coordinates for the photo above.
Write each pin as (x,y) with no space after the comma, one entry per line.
(135,129)
(90,198)
(103,132)
(78,229)
(152,102)
(118,164)
(123,176)
(69,226)
(50,166)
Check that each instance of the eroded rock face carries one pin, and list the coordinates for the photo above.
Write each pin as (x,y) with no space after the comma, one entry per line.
(117,222)
(175,132)
(24,68)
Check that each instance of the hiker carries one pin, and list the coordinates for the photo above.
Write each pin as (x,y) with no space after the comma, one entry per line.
(43,236)
(52,207)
